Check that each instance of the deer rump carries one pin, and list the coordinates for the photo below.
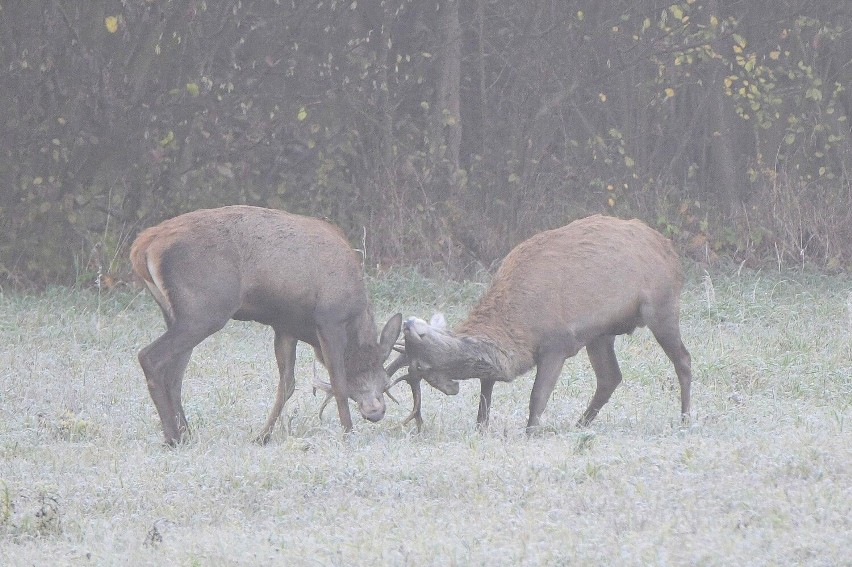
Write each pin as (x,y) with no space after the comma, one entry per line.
(559,291)
(296,274)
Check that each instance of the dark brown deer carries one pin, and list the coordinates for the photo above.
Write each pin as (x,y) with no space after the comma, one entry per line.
(296,274)
(576,286)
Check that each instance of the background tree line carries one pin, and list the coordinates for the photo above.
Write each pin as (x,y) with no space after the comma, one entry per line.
(436,133)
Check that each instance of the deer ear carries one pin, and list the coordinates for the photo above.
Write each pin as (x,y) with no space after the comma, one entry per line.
(389,335)
(438,322)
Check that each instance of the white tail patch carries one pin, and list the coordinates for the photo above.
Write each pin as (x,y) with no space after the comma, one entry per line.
(158,289)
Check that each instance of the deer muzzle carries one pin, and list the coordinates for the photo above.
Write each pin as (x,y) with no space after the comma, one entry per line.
(373,409)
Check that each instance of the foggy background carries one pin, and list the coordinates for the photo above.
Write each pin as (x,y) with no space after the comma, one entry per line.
(435,134)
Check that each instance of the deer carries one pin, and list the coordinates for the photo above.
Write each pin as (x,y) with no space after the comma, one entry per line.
(577,286)
(296,274)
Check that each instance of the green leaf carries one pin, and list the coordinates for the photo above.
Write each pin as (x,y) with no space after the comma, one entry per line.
(303,113)
(814,94)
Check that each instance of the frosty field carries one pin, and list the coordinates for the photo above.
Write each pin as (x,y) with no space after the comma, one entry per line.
(762,477)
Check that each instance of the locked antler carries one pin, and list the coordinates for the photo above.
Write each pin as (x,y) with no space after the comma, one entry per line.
(325,387)
(398,363)
(413,381)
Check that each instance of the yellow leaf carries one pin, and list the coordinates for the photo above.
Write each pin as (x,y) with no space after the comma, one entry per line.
(303,113)
(728,82)
(714,21)
(38,181)
(611,202)
(602,96)
(738,49)
(676,11)
(580,15)
(669,92)
(774,55)
(111,23)
(192,88)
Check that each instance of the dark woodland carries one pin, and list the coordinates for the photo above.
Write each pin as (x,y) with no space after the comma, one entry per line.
(437,134)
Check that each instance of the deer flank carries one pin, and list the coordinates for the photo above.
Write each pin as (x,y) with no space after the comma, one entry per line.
(296,274)
(561,290)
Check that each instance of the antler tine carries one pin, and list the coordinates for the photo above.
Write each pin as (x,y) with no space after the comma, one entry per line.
(416,396)
(325,387)
(398,362)
(388,394)
(394,366)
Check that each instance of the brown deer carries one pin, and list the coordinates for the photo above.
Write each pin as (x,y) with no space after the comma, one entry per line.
(296,274)
(576,286)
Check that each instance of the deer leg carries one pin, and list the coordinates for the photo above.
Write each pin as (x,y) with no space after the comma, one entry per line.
(485,388)
(547,373)
(601,353)
(332,339)
(176,381)
(164,362)
(669,338)
(285,355)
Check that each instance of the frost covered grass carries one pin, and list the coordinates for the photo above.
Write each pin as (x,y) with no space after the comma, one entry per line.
(764,476)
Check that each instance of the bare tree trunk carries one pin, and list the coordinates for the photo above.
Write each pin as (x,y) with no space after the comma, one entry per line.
(385,110)
(446,117)
(726,138)
(483,98)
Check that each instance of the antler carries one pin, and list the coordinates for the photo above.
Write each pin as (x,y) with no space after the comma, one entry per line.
(399,362)
(325,387)
(416,396)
